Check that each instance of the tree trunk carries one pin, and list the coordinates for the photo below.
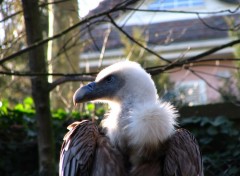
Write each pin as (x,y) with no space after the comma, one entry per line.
(40,88)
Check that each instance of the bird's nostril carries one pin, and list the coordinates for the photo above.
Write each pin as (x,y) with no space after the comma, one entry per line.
(91,86)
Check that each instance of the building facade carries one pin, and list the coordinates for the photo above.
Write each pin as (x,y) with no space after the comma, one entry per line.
(175,29)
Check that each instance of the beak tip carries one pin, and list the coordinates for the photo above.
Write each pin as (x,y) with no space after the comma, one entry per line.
(82,94)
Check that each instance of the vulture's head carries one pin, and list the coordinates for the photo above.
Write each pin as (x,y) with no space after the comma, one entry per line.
(136,112)
(124,83)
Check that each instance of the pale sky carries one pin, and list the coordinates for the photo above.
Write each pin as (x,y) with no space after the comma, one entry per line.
(86,5)
(1,30)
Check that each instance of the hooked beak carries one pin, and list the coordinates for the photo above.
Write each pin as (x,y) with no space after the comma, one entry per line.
(85,93)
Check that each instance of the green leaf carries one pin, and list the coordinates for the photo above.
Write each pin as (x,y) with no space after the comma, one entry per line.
(232,171)
(206,140)
(4,106)
(28,101)
(205,121)
(90,107)
(218,121)
(59,114)
(212,131)
(19,107)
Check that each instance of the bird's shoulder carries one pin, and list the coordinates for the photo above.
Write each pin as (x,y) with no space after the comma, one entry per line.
(183,156)
(78,148)
(87,151)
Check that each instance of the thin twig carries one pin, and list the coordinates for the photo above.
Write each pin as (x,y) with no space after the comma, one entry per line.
(202,78)
(30,74)
(42,42)
(135,41)
(210,74)
(211,51)
(159,69)
(69,79)
(235,28)
(185,12)
(107,33)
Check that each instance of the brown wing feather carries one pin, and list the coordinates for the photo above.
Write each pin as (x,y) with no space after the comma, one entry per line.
(86,152)
(108,160)
(78,149)
(183,157)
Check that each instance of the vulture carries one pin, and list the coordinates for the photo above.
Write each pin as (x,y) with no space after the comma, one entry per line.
(139,136)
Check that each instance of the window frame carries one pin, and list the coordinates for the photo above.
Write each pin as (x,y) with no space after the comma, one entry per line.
(175,4)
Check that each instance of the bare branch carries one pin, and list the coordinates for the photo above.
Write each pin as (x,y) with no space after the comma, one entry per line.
(30,74)
(92,38)
(152,70)
(10,16)
(97,17)
(135,41)
(42,42)
(213,50)
(20,11)
(202,78)
(186,12)
(159,69)
(107,33)
(195,58)
(214,65)
(234,28)
(209,74)
(69,79)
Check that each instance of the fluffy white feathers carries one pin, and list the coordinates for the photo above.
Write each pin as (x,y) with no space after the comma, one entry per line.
(151,124)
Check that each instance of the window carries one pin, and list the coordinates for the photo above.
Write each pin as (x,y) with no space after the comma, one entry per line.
(224,74)
(173,4)
(192,92)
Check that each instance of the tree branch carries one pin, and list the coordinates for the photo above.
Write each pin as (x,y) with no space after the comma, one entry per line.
(202,78)
(159,69)
(41,5)
(10,16)
(213,50)
(118,7)
(186,12)
(69,79)
(135,41)
(30,74)
(42,42)
(234,28)
(152,70)
(195,58)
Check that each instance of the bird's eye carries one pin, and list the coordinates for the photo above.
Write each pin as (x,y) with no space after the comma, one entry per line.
(109,79)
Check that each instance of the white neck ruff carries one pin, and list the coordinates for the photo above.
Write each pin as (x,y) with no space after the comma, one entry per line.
(144,124)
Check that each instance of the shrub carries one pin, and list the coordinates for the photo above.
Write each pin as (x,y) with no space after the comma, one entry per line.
(219,139)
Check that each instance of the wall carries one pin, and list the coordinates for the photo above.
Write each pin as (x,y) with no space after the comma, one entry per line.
(212,72)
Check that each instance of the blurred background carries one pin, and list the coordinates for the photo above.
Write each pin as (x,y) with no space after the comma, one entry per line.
(48,48)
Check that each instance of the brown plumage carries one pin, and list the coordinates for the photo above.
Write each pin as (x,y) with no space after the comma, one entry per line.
(137,138)
(87,152)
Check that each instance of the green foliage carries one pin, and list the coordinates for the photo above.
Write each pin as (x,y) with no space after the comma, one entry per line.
(219,141)
(18,139)
(228,93)
(18,135)
(218,138)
